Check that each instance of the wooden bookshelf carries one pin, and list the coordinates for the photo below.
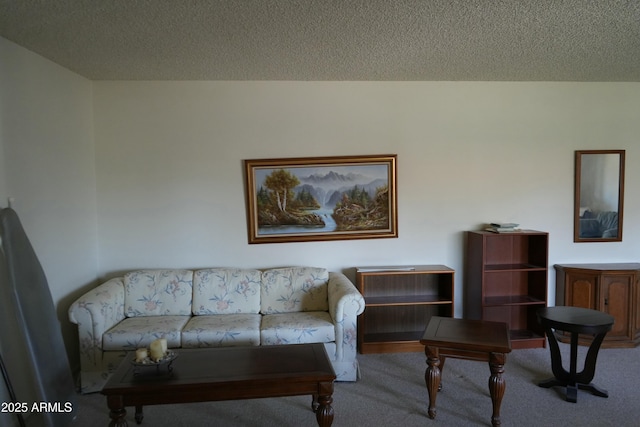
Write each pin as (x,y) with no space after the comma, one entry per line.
(399,301)
(506,277)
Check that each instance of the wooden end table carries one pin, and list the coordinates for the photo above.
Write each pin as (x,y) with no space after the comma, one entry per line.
(228,373)
(575,320)
(471,340)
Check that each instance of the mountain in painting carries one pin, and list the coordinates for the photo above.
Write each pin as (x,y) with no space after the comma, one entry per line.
(328,189)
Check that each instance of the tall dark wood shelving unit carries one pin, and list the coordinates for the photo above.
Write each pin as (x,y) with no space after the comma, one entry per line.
(399,301)
(506,277)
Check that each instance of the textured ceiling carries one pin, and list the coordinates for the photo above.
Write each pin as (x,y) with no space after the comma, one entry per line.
(472,40)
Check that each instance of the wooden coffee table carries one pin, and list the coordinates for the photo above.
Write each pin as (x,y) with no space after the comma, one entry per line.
(228,373)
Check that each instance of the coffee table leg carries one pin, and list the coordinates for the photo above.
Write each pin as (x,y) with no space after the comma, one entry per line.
(321,404)
(117,412)
(432,377)
(324,412)
(139,415)
(496,384)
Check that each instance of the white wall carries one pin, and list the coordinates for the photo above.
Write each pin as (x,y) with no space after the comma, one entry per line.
(48,167)
(170,175)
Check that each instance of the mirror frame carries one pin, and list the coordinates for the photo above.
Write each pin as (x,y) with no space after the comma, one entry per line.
(576,212)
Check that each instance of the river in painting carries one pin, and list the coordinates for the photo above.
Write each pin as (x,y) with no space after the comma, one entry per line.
(330,225)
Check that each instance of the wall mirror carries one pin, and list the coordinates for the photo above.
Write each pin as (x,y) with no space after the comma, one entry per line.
(599,196)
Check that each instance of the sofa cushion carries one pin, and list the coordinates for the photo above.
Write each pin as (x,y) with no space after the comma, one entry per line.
(608,220)
(222,330)
(136,332)
(590,228)
(297,328)
(158,292)
(287,290)
(226,291)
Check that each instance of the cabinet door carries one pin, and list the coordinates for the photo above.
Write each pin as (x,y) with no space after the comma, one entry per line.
(581,290)
(615,300)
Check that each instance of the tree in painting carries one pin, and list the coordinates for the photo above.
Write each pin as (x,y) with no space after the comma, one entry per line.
(358,211)
(281,183)
(278,205)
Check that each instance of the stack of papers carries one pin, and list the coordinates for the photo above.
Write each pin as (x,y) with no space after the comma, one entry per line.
(503,227)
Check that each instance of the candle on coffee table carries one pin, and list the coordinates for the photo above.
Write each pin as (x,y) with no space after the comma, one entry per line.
(163,343)
(141,354)
(156,350)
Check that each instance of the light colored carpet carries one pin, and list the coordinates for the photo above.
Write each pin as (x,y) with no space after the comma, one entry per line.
(392,392)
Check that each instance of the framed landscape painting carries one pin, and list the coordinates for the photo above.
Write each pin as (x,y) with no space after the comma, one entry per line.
(321,198)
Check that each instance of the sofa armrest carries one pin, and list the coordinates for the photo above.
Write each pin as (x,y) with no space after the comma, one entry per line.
(95,312)
(344,298)
(345,304)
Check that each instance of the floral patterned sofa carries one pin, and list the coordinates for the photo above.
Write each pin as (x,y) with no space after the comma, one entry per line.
(213,308)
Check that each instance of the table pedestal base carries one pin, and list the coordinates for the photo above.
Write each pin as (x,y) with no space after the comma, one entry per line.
(552,319)
(572,389)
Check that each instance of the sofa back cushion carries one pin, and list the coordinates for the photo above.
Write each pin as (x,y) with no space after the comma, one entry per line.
(286,290)
(226,291)
(608,220)
(158,292)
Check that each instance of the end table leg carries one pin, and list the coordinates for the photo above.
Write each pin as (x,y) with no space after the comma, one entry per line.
(432,378)
(583,379)
(496,384)
(572,393)
(594,389)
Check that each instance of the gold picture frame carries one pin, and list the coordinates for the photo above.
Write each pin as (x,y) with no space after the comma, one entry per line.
(321,198)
